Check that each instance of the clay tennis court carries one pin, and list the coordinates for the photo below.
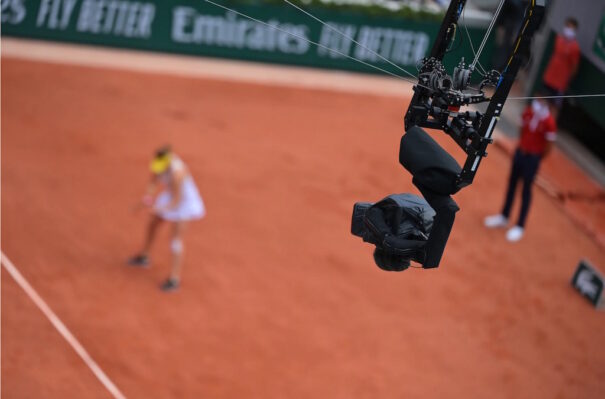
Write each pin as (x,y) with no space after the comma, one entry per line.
(278,299)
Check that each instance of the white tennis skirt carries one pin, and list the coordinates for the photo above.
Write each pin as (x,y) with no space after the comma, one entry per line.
(191,206)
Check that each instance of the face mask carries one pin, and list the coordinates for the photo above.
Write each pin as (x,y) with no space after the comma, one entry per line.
(541,110)
(569,33)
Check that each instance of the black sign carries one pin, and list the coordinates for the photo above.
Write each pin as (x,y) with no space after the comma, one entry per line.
(589,282)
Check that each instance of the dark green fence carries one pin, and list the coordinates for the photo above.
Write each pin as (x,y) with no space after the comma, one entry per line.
(199,28)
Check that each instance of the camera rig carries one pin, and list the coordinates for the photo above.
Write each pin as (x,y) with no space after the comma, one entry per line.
(438,96)
(436,103)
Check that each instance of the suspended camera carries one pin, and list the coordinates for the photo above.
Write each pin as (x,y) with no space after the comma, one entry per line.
(405,227)
(462,76)
(434,76)
(398,225)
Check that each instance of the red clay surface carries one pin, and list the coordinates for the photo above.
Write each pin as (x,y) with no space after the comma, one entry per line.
(278,300)
(36,344)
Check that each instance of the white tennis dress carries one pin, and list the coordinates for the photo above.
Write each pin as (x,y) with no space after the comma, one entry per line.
(191,206)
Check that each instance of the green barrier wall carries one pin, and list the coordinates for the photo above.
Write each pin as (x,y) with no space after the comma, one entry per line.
(198,28)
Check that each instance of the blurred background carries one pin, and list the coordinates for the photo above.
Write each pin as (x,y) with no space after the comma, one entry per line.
(406,28)
(284,124)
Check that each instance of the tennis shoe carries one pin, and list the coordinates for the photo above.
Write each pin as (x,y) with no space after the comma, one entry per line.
(494,221)
(139,261)
(514,234)
(170,285)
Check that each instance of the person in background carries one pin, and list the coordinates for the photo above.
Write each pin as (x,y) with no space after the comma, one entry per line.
(178,202)
(563,64)
(538,132)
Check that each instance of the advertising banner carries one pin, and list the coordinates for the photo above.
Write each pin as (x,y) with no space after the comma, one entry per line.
(278,34)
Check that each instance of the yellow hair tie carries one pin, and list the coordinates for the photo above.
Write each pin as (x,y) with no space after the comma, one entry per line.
(160,164)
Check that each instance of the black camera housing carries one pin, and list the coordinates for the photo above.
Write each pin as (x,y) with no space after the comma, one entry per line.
(406,227)
(398,225)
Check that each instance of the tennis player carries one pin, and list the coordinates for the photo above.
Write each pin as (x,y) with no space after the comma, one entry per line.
(177,201)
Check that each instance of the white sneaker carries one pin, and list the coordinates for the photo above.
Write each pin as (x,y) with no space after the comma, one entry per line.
(514,234)
(495,221)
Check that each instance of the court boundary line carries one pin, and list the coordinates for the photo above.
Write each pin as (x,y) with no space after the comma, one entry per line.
(61,328)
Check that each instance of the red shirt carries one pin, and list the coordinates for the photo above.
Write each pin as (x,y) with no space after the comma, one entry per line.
(544,130)
(562,63)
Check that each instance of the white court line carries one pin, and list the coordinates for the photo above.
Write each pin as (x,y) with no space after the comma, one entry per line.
(10,267)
